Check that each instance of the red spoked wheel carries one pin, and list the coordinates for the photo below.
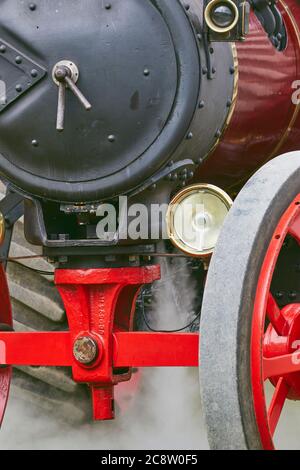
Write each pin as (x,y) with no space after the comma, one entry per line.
(250,323)
(275,340)
(5,325)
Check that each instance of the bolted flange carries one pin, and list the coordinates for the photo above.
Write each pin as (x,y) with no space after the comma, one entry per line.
(85,350)
(70,66)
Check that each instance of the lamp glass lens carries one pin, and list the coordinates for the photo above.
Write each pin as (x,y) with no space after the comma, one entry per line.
(222,15)
(198,219)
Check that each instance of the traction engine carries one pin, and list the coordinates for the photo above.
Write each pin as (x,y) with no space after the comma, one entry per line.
(139,132)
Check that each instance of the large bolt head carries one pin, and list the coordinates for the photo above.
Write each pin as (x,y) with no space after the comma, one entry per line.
(61,73)
(85,350)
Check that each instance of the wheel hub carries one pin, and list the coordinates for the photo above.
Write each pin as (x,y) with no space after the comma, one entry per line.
(287,342)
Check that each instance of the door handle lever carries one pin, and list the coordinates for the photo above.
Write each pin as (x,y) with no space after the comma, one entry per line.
(65,77)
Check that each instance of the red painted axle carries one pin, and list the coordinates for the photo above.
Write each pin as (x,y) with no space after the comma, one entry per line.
(100,346)
(133,349)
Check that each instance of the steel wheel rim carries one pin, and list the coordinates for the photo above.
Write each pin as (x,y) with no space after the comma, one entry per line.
(267,419)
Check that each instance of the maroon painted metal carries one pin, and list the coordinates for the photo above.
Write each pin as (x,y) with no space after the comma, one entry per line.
(265,122)
(275,351)
(5,319)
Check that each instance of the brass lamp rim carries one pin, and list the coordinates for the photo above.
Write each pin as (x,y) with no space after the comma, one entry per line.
(2,228)
(189,190)
(212,25)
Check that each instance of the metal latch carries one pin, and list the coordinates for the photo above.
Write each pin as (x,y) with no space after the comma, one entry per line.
(65,75)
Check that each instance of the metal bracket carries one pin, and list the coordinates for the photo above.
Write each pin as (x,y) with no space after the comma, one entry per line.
(272,21)
(18,73)
(163,173)
(11,208)
(209,66)
(99,303)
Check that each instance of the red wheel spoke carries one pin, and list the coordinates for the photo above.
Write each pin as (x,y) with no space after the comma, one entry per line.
(281,365)
(275,316)
(277,404)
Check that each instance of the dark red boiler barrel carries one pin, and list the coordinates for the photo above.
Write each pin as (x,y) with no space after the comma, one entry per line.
(265,122)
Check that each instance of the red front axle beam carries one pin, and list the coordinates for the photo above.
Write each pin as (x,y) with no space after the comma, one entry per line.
(134,349)
(100,346)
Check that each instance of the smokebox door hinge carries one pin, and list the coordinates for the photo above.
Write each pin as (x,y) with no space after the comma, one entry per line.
(18,74)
